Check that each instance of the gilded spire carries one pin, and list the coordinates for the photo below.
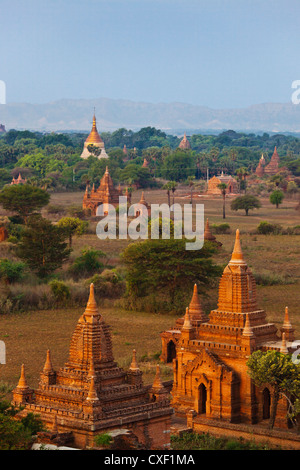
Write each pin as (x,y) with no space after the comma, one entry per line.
(237,257)
(94,137)
(91,308)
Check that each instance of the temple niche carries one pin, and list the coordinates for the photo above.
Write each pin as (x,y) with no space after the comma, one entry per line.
(94,140)
(209,353)
(91,394)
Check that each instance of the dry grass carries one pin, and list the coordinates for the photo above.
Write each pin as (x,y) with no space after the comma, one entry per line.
(28,335)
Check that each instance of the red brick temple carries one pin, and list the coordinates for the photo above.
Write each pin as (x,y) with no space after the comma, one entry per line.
(209,353)
(105,194)
(91,395)
(273,166)
(184,144)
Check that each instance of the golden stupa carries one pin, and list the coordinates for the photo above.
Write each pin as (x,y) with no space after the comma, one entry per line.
(95,140)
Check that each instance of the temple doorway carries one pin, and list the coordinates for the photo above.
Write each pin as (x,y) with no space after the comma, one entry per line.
(171,351)
(202,397)
(266,403)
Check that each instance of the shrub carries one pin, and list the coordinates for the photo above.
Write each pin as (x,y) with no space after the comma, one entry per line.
(88,263)
(221,229)
(60,291)
(104,439)
(11,271)
(266,228)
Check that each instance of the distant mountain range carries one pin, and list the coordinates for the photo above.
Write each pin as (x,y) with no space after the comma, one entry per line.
(76,115)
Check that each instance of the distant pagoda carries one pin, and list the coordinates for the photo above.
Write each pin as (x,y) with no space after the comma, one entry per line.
(2,129)
(105,194)
(260,170)
(273,167)
(184,144)
(95,140)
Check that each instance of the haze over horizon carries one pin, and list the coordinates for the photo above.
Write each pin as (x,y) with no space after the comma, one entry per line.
(218,54)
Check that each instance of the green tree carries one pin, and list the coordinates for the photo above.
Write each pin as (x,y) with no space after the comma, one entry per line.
(43,246)
(87,263)
(23,199)
(246,203)
(16,434)
(11,271)
(277,370)
(166,267)
(72,226)
(276,197)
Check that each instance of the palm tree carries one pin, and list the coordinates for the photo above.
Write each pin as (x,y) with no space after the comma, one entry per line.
(223,187)
(191,185)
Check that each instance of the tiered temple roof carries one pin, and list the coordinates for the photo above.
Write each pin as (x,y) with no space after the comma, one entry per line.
(90,394)
(105,194)
(212,353)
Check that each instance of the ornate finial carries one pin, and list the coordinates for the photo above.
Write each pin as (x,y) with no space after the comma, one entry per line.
(237,254)
(92,395)
(91,308)
(187,323)
(157,384)
(195,307)
(283,348)
(134,365)
(286,323)
(22,381)
(48,365)
(247,331)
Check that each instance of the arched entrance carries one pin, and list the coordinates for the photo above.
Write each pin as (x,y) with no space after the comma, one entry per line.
(266,403)
(202,397)
(171,351)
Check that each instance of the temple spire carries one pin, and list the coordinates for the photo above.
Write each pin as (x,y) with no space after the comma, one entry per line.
(187,322)
(91,308)
(247,331)
(283,348)
(48,365)
(22,381)
(237,254)
(134,365)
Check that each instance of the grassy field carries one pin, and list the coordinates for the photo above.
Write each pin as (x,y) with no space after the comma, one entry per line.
(28,335)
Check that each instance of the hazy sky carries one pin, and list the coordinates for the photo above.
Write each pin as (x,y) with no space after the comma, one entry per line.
(217,53)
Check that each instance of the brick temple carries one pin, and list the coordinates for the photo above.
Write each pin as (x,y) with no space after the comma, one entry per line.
(209,354)
(273,166)
(184,144)
(105,194)
(91,395)
(213,183)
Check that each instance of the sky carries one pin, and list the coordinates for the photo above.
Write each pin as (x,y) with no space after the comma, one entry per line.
(215,53)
